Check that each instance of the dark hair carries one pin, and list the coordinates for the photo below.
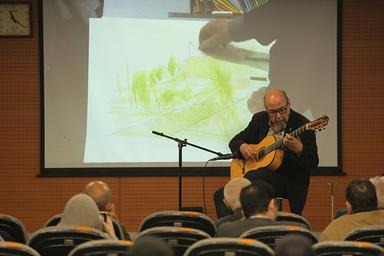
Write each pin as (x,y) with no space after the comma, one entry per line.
(150,246)
(361,194)
(256,197)
(294,245)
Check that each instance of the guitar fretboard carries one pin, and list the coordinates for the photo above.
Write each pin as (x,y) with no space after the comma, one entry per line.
(279,142)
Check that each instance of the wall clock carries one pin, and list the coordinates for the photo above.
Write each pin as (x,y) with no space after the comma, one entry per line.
(15,19)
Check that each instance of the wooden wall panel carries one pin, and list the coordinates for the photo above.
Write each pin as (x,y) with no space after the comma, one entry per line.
(33,200)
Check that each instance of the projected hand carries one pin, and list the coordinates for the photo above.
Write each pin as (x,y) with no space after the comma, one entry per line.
(214,34)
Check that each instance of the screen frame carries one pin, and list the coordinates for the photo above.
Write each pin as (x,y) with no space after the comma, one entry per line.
(177,170)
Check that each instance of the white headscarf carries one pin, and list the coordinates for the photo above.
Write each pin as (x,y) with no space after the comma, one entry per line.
(81,210)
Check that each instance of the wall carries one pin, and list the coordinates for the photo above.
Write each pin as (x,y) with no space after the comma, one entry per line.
(33,200)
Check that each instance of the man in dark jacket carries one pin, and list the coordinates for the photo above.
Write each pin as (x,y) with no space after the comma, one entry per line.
(258,205)
(291,178)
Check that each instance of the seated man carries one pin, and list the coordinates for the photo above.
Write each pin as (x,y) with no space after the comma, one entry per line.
(102,194)
(379,185)
(232,199)
(258,205)
(294,245)
(361,202)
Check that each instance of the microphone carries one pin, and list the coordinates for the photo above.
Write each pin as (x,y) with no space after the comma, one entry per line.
(158,133)
(222,157)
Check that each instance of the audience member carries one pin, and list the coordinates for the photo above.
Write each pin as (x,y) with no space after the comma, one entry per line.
(379,186)
(102,194)
(361,203)
(232,199)
(294,245)
(150,246)
(258,205)
(81,210)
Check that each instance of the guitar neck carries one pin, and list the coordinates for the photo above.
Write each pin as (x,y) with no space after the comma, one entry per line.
(279,142)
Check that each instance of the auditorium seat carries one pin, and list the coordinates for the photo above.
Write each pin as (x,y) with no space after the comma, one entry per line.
(189,219)
(54,220)
(16,249)
(222,246)
(293,218)
(373,234)
(270,234)
(59,241)
(102,247)
(179,238)
(350,248)
(11,229)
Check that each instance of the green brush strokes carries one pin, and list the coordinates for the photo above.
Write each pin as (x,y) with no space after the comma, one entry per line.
(172,66)
(140,90)
(221,80)
(193,96)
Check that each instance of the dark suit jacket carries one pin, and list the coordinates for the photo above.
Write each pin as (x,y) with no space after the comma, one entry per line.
(295,169)
(229,218)
(236,228)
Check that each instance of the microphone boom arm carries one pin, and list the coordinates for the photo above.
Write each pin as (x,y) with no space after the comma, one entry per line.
(185,143)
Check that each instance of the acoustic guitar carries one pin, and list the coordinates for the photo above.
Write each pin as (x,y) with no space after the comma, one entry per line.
(269,153)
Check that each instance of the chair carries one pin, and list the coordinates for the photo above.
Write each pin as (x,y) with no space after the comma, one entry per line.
(293,218)
(221,246)
(373,234)
(271,234)
(11,229)
(350,248)
(279,203)
(102,247)
(187,219)
(16,249)
(54,220)
(178,238)
(59,241)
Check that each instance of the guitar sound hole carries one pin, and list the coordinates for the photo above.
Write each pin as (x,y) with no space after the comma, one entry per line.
(261,154)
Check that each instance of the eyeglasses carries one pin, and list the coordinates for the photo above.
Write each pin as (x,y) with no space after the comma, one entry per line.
(282,110)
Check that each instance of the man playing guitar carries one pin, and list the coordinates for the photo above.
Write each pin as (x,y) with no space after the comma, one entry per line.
(279,147)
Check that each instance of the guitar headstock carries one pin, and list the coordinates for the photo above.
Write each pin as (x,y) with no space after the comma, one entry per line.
(318,124)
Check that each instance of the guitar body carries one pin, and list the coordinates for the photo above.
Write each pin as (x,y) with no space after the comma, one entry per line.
(271,161)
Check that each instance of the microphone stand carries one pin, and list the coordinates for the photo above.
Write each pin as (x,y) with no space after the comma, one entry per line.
(180,145)
(332,184)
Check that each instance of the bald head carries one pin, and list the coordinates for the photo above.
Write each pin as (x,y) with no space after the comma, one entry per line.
(275,97)
(277,105)
(100,192)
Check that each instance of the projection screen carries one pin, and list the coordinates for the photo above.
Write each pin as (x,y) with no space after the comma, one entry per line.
(114,71)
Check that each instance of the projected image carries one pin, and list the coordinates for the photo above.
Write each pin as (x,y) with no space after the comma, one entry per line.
(149,75)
